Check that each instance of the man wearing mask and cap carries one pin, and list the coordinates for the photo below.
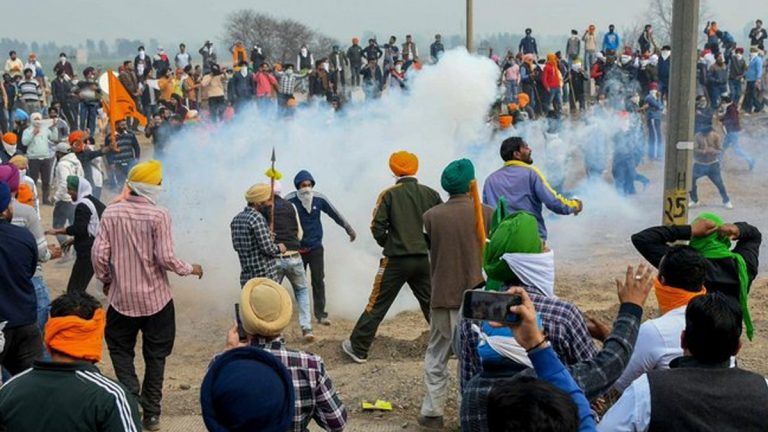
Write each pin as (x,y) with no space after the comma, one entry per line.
(41,158)
(252,239)
(355,58)
(63,209)
(71,389)
(611,41)
(64,65)
(131,255)
(10,149)
(737,68)
(457,234)
(146,63)
(752,76)
(398,227)
(310,205)
(18,306)
(265,312)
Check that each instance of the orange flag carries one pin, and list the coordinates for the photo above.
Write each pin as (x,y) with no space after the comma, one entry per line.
(121,105)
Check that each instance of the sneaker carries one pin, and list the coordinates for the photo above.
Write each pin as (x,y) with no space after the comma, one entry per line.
(693,204)
(151,423)
(307,335)
(346,346)
(431,422)
(324,321)
(729,205)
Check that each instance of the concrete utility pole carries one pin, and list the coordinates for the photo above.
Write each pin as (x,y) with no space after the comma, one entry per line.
(678,157)
(470,27)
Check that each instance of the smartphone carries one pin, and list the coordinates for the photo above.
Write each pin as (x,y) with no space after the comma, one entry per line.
(490,306)
(240,330)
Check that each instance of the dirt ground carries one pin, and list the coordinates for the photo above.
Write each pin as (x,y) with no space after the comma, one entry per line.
(585,273)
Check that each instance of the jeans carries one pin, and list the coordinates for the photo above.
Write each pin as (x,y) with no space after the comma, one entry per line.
(216,106)
(734,87)
(715,91)
(750,98)
(355,75)
(589,58)
(42,169)
(712,171)
(32,106)
(624,175)
(43,301)
(654,139)
(732,140)
(4,125)
(511,92)
(119,174)
(88,112)
(292,267)
(555,99)
(63,215)
(158,333)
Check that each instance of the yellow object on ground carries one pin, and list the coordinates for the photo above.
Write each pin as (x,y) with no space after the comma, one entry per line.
(380,405)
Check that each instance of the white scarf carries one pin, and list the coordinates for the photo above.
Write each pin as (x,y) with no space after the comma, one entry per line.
(83,190)
(505,346)
(534,270)
(306,196)
(147,191)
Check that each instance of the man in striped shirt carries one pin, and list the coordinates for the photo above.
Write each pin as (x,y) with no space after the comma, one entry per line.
(30,92)
(131,255)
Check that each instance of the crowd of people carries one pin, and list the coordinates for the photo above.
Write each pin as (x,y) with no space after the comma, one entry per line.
(541,372)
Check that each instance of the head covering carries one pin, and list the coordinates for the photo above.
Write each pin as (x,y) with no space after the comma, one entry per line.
(403,163)
(523,99)
(20,115)
(505,121)
(84,189)
(63,147)
(714,246)
(515,233)
(653,86)
(5,196)
(670,298)
(77,337)
(25,195)
(247,389)
(19,161)
(303,176)
(457,176)
(265,307)
(10,138)
(149,172)
(9,174)
(258,193)
(76,136)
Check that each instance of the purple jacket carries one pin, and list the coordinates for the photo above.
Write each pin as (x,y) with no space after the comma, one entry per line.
(525,188)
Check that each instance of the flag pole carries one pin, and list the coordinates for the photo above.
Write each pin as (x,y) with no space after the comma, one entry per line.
(272,194)
(112,106)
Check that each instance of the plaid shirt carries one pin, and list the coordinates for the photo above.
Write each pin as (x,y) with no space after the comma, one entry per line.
(316,398)
(287,82)
(563,323)
(254,246)
(594,376)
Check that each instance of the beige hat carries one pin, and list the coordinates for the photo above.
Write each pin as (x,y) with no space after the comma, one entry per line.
(258,193)
(265,307)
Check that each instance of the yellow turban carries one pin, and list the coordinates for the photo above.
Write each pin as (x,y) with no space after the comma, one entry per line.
(403,163)
(150,172)
(258,193)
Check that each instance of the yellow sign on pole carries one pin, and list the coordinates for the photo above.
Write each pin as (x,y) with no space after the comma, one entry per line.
(676,207)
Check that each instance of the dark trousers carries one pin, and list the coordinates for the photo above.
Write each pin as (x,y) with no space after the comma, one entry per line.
(70,112)
(393,273)
(624,174)
(82,273)
(355,75)
(3,119)
(42,169)
(216,106)
(88,113)
(654,139)
(158,332)
(751,101)
(23,345)
(712,172)
(734,87)
(315,259)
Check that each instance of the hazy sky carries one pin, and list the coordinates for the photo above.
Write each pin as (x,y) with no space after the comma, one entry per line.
(197,20)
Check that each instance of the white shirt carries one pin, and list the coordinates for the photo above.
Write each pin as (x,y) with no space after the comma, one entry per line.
(632,412)
(658,343)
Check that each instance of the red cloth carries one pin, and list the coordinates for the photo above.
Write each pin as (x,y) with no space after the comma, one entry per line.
(549,78)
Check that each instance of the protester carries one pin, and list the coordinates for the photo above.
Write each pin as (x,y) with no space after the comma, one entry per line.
(355,56)
(131,255)
(752,76)
(10,147)
(758,35)
(265,311)
(397,227)
(700,391)
(69,393)
(528,44)
(457,233)
(89,94)
(122,155)
(67,165)
(611,41)
(436,49)
(214,85)
(707,156)
(373,80)
(41,159)
(30,92)
(13,65)
(523,186)
(590,46)
(653,115)
(310,205)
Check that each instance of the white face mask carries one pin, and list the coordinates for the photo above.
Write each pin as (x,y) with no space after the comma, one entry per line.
(306,194)
(576,67)
(752,55)
(63,59)
(654,93)
(398,68)
(665,54)
(244,71)
(326,67)
(303,51)
(10,149)
(22,173)
(37,122)
(289,71)
(739,56)
(625,59)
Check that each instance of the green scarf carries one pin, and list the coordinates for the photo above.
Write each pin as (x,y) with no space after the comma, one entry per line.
(714,246)
(510,233)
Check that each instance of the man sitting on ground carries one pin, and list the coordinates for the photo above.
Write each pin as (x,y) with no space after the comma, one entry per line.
(700,391)
(68,393)
(265,311)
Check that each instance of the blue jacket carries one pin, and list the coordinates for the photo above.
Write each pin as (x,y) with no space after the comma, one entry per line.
(310,220)
(664,71)
(755,69)
(528,45)
(655,108)
(18,262)
(611,42)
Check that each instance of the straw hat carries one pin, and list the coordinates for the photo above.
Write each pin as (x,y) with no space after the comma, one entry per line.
(265,307)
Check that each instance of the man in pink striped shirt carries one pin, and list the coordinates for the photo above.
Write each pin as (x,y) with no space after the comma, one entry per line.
(131,255)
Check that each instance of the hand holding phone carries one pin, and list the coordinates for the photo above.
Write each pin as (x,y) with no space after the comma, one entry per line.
(490,306)
(526,331)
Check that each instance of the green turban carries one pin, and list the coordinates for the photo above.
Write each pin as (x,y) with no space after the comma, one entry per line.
(516,233)
(715,246)
(457,176)
(73,183)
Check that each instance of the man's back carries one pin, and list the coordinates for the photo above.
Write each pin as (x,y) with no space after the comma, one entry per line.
(66,397)
(18,261)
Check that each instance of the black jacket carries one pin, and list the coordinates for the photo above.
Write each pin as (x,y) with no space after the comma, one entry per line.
(79,228)
(723,275)
(286,223)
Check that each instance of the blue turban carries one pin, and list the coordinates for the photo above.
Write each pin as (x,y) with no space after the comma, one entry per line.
(247,389)
(5,196)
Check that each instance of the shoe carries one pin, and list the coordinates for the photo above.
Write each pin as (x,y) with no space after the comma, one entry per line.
(729,205)
(431,422)
(324,321)
(151,423)
(346,346)
(693,204)
(307,335)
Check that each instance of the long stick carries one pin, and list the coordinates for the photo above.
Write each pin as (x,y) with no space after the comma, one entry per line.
(272,194)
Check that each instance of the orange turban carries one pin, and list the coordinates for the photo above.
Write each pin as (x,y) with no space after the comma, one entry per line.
(403,163)
(523,99)
(505,121)
(10,138)
(25,195)
(77,337)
